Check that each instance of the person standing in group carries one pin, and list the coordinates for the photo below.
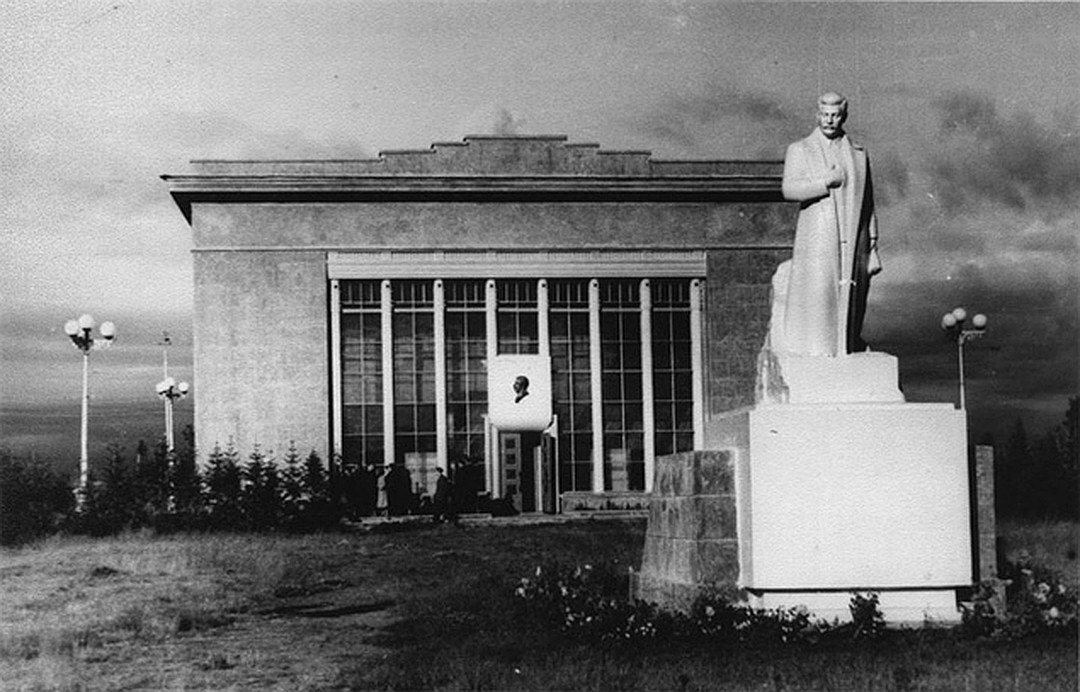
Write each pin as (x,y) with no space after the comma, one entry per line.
(444,498)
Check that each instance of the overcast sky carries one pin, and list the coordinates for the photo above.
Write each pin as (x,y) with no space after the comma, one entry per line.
(970,113)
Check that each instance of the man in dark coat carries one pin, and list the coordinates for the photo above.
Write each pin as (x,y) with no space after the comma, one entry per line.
(398,490)
(444,498)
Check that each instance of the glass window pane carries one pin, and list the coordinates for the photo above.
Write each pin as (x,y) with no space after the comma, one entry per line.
(373,420)
(404,419)
(684,416)
(612,415)
(582,386)
(427,386)
(661,327)
(582,477)
(612,387)
(425,418)
(662,387)
(582,417)
(682,356)
(664,420)
(681,327)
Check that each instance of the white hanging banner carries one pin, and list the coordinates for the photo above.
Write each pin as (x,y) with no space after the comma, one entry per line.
(519,392)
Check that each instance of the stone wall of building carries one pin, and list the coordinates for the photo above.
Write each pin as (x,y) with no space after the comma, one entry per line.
(261,351)
(738,288)
(518,225)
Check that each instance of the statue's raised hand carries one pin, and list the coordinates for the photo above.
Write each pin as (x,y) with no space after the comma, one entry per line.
(835,177)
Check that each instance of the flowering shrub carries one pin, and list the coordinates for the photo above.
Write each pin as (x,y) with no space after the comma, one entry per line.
(590,604)
(1038,602)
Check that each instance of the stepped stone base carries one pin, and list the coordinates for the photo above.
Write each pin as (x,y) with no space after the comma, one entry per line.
(691,543)
(588,501)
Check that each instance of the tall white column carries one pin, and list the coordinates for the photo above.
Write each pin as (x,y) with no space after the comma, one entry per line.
(542,328)
(697,362)
(387,311)
(491,463)
(648,412)
(543,331)
(84,431)
(440,377)
(596,365)
(336,397)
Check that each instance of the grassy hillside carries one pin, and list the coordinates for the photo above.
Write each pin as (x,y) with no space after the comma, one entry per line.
(421,607)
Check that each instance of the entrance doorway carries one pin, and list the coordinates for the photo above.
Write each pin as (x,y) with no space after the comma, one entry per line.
(528,475)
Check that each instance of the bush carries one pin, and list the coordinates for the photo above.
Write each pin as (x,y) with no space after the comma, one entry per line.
(1038,603)
(223,483)
(866,618)
(164,490)
(260,494)
(590,604)
(113,501)
(34,500)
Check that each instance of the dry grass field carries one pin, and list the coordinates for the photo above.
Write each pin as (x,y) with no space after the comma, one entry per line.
(419,607)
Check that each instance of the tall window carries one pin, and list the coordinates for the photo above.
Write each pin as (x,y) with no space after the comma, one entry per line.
(569,327)
(672,368)
(414,368)
(618,404)
(466,371)
(361,372)
(517,316)
(620,348)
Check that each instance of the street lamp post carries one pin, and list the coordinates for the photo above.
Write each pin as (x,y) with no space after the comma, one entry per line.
(953,324)
(170,390)
(81,333)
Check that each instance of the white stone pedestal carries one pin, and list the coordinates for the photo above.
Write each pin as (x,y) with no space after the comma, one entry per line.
(843,496)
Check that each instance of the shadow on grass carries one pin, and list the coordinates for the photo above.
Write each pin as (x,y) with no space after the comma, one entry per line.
(903,660)
(327,610)
(457,625)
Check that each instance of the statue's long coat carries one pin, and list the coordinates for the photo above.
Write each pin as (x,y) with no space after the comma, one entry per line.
(822,315)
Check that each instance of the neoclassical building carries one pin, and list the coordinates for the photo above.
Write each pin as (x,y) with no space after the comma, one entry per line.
(542,318)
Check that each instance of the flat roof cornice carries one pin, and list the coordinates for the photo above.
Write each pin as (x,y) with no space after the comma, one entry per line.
(240,189)
(496,169)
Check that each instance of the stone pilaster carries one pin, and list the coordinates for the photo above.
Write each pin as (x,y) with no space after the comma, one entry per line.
(691,544)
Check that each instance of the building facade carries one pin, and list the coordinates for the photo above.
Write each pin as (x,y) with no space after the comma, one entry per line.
(544,319)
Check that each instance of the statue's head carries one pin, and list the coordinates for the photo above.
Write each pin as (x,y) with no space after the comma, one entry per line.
(832,112)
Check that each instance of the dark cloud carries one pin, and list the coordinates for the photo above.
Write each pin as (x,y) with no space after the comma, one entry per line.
(891,177)
(980,156)
(735,122)
(1027,359)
